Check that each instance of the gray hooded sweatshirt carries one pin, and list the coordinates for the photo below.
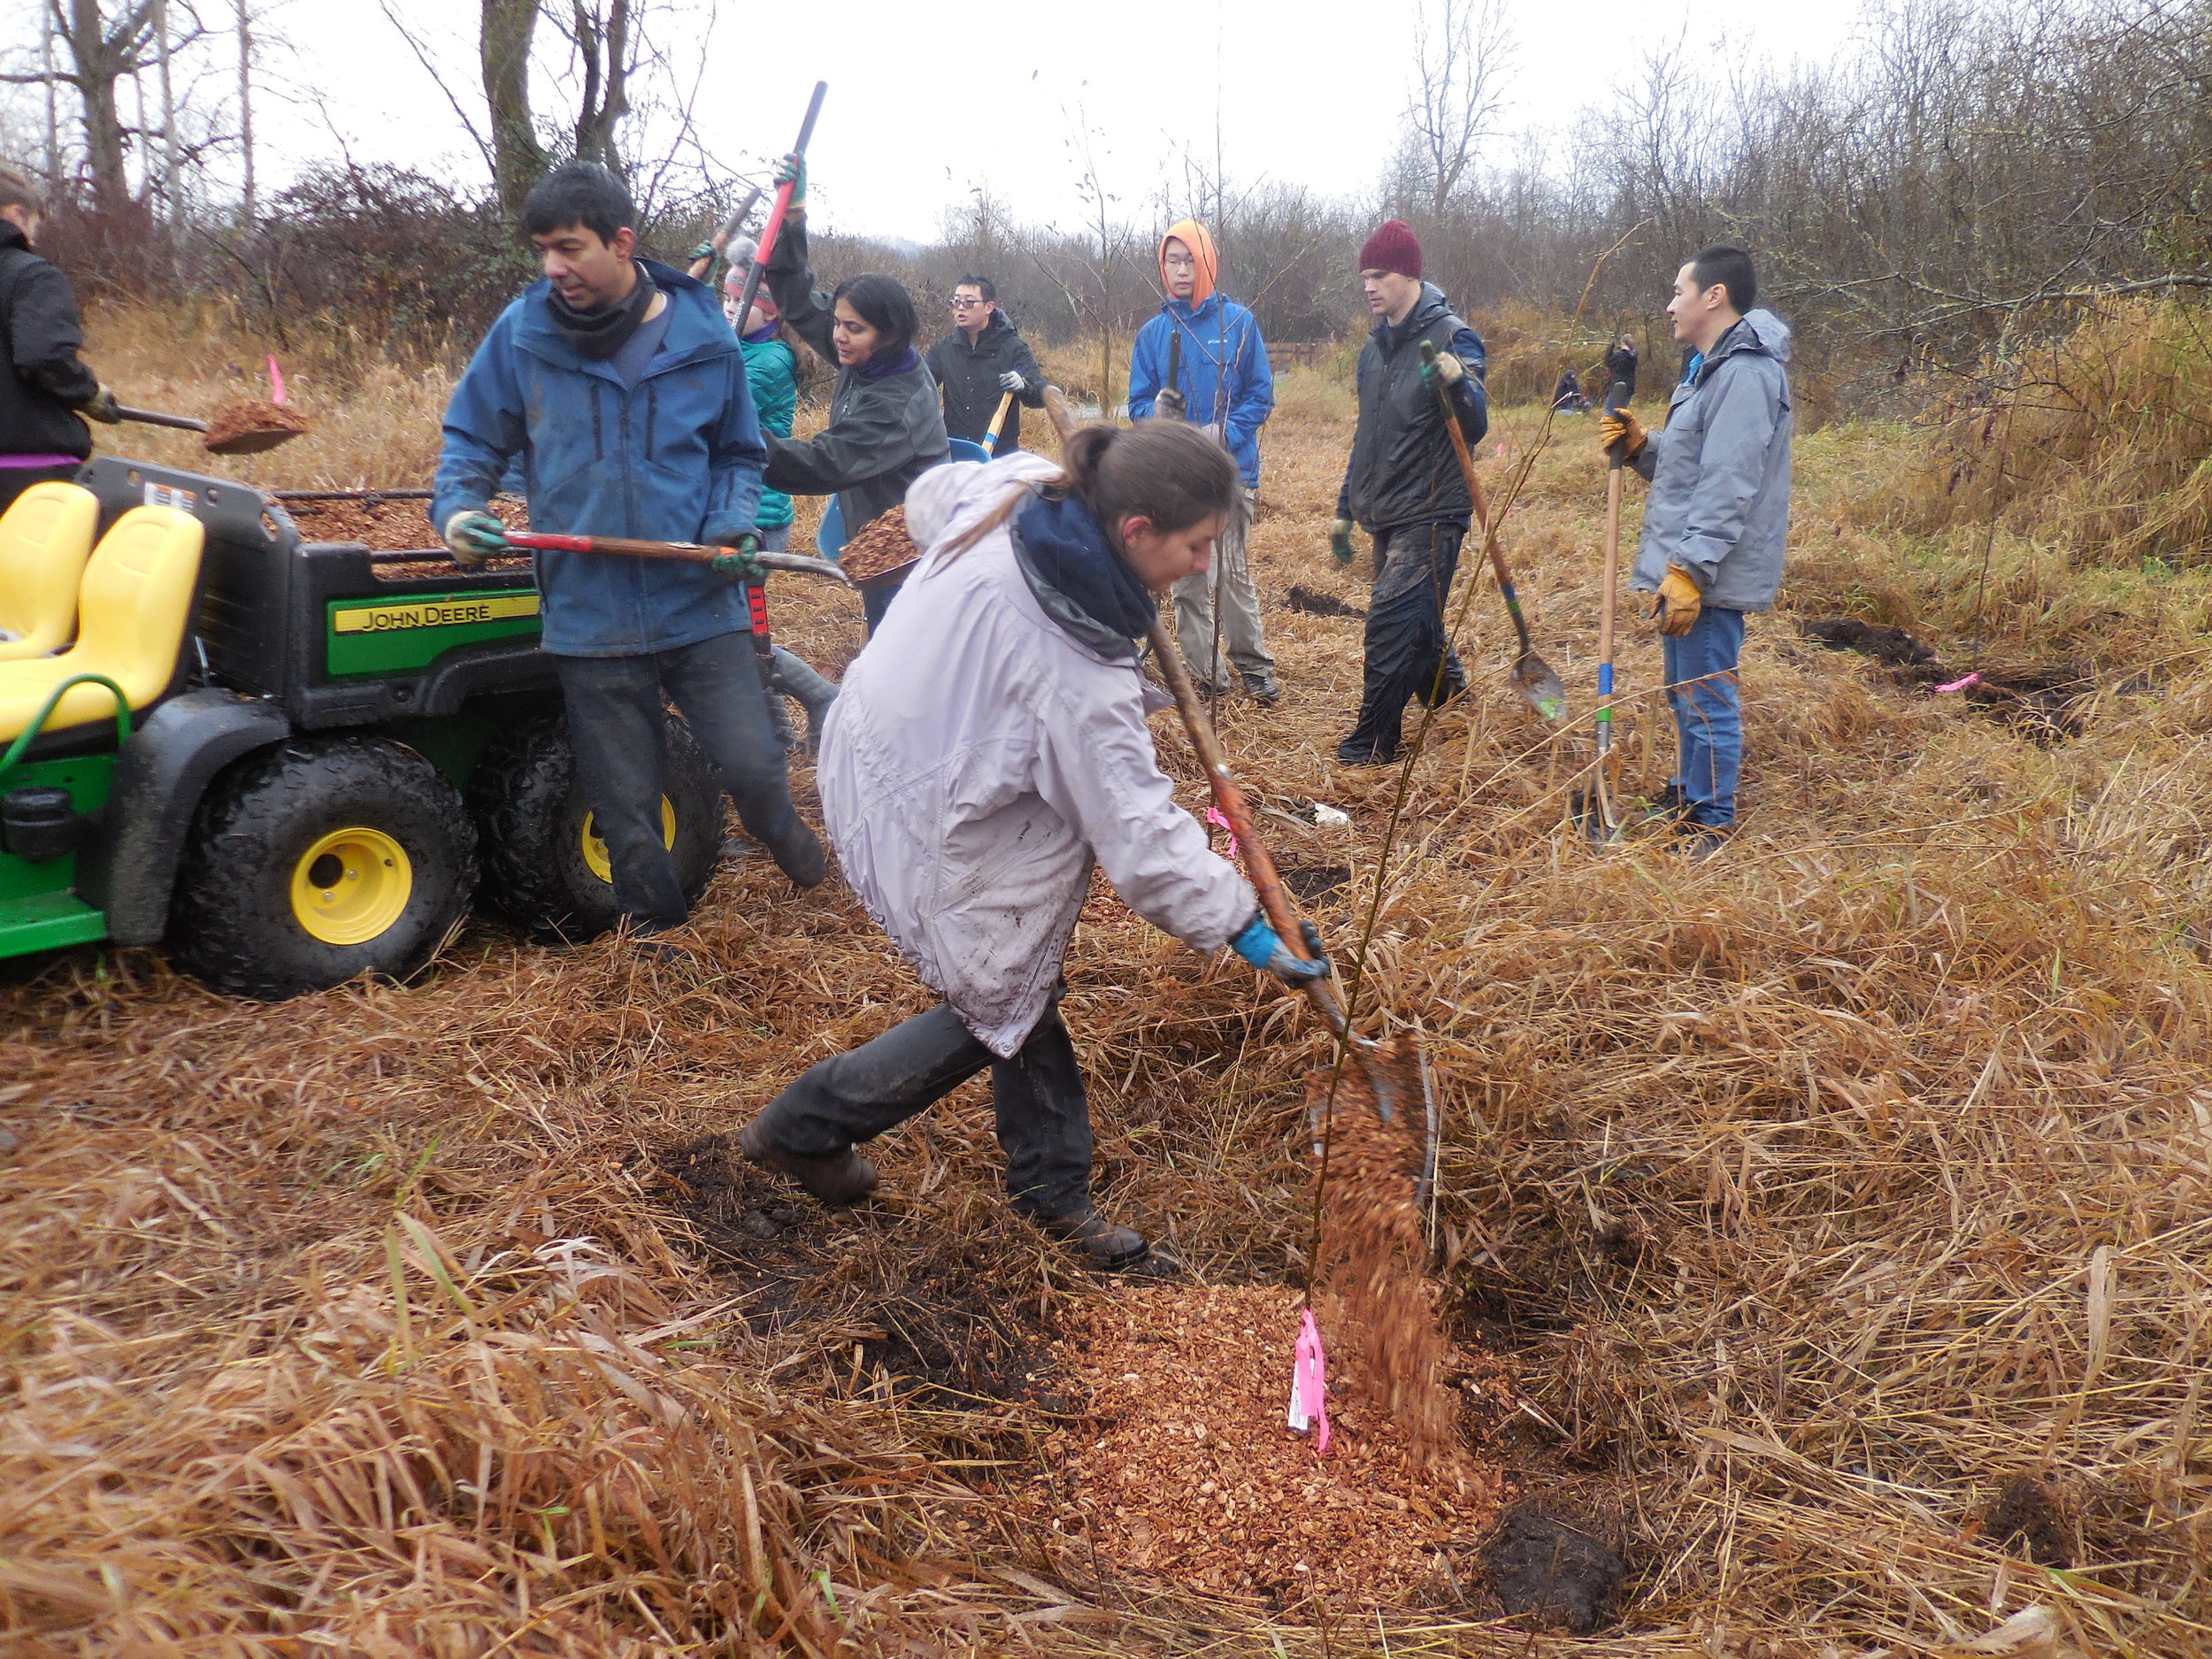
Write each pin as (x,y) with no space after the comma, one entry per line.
(1720,471)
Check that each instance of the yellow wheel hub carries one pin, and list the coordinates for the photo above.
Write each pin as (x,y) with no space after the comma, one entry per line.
(351,886)
(595,849)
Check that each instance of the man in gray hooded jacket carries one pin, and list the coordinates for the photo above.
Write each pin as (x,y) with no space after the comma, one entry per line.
(1716,522)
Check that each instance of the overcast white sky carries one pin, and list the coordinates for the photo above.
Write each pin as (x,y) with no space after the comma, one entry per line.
(927,102)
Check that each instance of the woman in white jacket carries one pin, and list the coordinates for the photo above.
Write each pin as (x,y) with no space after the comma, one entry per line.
(988,749)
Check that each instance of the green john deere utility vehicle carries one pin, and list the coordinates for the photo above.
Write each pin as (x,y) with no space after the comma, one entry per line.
(288,762)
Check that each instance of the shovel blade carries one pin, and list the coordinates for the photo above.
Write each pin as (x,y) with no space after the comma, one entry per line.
(253,443)
(1540,687)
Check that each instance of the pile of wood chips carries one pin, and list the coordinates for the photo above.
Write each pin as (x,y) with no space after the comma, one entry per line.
(1184,1469)
(881,547)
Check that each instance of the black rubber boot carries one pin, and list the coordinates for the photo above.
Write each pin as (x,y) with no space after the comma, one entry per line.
(841,1179)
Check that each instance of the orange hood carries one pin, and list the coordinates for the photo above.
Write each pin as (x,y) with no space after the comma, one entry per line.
(1192,235)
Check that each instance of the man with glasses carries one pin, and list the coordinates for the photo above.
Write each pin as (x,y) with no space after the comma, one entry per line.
(1201,360)
(981,361)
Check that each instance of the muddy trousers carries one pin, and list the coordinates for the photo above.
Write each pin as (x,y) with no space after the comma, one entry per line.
(1044,1122)
(1708,704)
(1407,636)
(1243,644)
(615,729)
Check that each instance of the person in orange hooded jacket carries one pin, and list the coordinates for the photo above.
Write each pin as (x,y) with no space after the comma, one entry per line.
(1223,383)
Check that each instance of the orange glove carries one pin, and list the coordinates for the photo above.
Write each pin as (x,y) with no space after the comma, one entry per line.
(1614,426)
(1679,602)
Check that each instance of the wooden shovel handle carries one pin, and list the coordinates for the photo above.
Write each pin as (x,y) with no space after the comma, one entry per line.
(690,552)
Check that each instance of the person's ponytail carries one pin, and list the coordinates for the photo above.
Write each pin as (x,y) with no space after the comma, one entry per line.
(1173,474)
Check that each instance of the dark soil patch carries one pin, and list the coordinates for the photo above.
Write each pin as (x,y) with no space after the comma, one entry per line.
(958,1329)
(2044,703)
(2027,1511)
(1869,639)
(1307,603)
(1554,1567)
(1313,883)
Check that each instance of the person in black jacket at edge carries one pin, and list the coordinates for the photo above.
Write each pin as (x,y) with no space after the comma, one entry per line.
(49,393)
(1620,363)
(1404,487)
(884,427)
(980,361)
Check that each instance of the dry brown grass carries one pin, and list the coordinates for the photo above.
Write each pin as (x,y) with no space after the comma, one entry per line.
(1813,1194)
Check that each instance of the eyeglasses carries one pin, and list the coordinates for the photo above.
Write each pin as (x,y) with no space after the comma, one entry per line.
(960,304)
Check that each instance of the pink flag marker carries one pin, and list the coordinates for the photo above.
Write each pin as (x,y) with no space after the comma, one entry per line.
(276,380)
(1309,1376)
(1961,685)
(1213,816)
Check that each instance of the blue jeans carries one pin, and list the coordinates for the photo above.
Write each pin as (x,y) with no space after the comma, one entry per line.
(1707,713)
(615,729)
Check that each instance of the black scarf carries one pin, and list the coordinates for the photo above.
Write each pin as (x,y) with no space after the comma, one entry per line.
(601,332)
(1071,555)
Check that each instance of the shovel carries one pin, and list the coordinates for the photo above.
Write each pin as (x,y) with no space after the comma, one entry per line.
(1532,676)
(1380,1069)
(998,424)
(773,228)
(692,552)
(1603,823)
(252,442)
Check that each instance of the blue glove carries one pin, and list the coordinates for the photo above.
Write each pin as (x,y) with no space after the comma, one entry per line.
(474,536)
(1340,540)
(739,561)
(1263,947)
(792,170)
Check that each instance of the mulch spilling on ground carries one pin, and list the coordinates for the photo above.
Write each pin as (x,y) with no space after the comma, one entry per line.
(1383,1306)
(1183,1468)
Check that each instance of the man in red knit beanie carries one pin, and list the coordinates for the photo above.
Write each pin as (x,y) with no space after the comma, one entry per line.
(1403,486)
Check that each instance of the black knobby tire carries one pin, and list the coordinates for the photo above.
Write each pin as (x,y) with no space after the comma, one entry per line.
(235,920)
(530,819)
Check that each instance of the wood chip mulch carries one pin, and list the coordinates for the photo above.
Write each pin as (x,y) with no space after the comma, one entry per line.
(1182,1469)
(882,545)
(241,416)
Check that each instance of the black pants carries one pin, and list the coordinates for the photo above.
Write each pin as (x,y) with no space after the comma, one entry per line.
(1044,1122)
(615,727)
(15,479)
(1414,567)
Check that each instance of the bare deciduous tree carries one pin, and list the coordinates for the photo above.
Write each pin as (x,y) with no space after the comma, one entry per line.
(1461,50)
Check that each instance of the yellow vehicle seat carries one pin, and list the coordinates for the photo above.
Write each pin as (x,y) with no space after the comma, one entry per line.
(45,537)
(132,610)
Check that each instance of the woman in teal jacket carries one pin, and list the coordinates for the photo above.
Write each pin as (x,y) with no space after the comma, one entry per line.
(772,369)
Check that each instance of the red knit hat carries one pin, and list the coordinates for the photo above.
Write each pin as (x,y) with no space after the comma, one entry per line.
(1393,248)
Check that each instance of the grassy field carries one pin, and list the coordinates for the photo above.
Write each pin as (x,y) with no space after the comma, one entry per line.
(1836,1209)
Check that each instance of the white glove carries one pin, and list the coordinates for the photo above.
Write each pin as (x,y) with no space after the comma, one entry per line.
(1011,381)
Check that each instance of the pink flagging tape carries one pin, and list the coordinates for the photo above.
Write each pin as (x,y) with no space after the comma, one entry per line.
(1309,1385)
(1213,816)
(1961,685)
(276,380)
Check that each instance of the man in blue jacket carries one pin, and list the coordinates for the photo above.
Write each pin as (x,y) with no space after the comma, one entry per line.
(1714,523)
(1221,382)
(622,390)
